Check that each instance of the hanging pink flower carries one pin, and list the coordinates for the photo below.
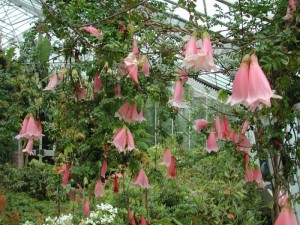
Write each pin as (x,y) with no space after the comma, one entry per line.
(135,49)
(246,159)
(24,128)
(218,127)
(118,91)
(32,131)
(116,184)
(245,127)
(99,191)
(240,83)
(66,174)
(128,112)
(29,147)
(123,140)
(211,144)
(91,30)
(244,144)
(146,67)
(191,54)
(104,168)
(200,124)
(254,175)
(141,180)
(52,83)
(172,168)
(207,58)
(167,157)
(130,217)
(178,94)
(97,83)
(286,217)
(120,139)
(132,67)
(234,137)
(143,221)
(225,128)
(86,207)
(259,90)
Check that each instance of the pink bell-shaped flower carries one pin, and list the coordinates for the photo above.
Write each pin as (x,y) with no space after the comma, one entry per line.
(86,207)
(207,58)
(246,159)
(292,4)
(123,140)
(218,127)
(259,90)
(91,30)
(24,128)
(66,174)
(141,180)
(167,157)
(39,125)
(143,221)
(130,140)
(211,144)
(178,94)
(254,175)
(135,49)
(97,83)
(132,67)
(32,131)
(225,128)
(99,191)
(200,124)
(104,168)
(120,139)
(191,60)
(286,216)
(240,83)
(130,218)
(29,147)
(52,83)
(128,112)
(282,199)
(172,168)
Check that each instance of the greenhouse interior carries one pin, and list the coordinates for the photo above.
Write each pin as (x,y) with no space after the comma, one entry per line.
(149,112)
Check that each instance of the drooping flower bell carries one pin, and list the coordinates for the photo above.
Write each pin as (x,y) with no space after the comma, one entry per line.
(141,180)
(200,124)
(29,147)
(128,112)
(225,128)
(123,140)
(52,83)
(131,64)
(135,49)
(146,65)
(30,128)
(117,90)
(104,168)
(286,216)
(91,30)
(172,168)
(116,184)
(167,157)
(86,207)
(243,144)
(99,190)
(130,218)
(177,98)
(23,128)
(143,221)
(240,83)
(207,58)
(211,143)
(259,90)
(97,83)
(254,175)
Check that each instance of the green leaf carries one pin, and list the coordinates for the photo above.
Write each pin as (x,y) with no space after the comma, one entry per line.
(222,95)
(176,221)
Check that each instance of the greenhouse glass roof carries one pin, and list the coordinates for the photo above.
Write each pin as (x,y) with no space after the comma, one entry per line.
(17,16)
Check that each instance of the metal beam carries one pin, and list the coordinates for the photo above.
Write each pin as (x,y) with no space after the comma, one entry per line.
(30,8)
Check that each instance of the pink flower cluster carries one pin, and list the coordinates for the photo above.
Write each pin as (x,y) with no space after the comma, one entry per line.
(128,112)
